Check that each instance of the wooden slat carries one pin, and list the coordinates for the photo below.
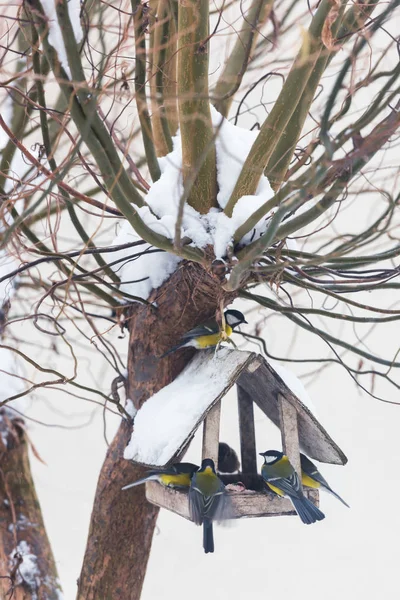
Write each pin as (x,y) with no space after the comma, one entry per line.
(211,433)
(247,432)
(244,505)
(289,432)
(173,500)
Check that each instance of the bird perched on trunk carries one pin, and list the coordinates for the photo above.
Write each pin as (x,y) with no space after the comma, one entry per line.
(280,477)
(178,476)
(209,334)
(208,501)
(312,478)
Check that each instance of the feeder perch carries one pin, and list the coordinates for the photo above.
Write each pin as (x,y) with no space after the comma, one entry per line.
(167,422)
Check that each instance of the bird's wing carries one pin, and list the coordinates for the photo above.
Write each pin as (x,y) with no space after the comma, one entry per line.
(218,507)
(330,490)
(159,472)
(151,476)
(185,467)
(311,470)
(290,486)
(215,506)
(209,328)
(196,505)
(315,474)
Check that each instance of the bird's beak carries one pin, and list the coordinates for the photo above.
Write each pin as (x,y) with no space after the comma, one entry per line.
(245,322)
(261,453)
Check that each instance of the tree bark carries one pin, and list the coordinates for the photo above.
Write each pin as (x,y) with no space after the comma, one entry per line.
(27,567)
(122,523)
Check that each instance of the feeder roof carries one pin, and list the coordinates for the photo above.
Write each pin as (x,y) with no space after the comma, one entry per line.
(168,420)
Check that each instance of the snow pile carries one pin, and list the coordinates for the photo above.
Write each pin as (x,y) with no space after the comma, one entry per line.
(130,408)
(233,144)
(166,419)
(28,571)
(29,575)
(232,147)
(141,274)
(55,35)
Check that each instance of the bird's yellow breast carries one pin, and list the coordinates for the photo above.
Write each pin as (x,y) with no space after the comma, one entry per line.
(207,481)
(207,341)
(228,330)
(275,489)
(181,480)
(308,481)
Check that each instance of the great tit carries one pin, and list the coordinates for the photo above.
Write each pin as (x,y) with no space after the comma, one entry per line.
(228,461)
(208,335)
(208,501)
(281,478)
(312,478)
(178,476)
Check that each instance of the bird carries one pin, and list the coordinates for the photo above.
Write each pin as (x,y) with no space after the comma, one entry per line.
(178,476)
(312,478)
(228,461)
(208,501)
(280,477)
(209,334)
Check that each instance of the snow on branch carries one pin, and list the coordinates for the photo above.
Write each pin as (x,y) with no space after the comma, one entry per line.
(214,229)
(55,35)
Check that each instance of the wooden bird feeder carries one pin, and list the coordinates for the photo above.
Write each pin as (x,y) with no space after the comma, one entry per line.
(202,385)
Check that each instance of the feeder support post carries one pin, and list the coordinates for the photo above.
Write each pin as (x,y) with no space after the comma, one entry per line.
(289,432)
(211,433)
(247,432)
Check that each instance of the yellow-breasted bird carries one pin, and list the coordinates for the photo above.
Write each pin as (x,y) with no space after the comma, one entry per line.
(280,477)
(228,461)
(209,334)
(312,478)
(178,476)
(208,501)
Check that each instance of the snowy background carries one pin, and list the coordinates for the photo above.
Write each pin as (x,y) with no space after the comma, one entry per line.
(351,554)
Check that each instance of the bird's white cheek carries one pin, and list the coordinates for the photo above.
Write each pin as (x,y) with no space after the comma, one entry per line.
(270,459)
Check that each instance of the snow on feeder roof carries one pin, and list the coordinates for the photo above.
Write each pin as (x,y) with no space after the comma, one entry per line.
(168,420)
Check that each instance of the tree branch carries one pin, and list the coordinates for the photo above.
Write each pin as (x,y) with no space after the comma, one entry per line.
(193,103)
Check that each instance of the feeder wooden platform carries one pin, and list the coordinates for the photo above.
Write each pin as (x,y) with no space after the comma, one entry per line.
(247,504)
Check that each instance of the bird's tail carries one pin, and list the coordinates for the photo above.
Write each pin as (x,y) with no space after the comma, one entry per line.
(208,536)
(306,510)
(330,490)
(173,349)
(152,477)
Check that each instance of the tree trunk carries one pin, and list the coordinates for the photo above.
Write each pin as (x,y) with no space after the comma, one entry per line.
(27,567)
(122,523)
